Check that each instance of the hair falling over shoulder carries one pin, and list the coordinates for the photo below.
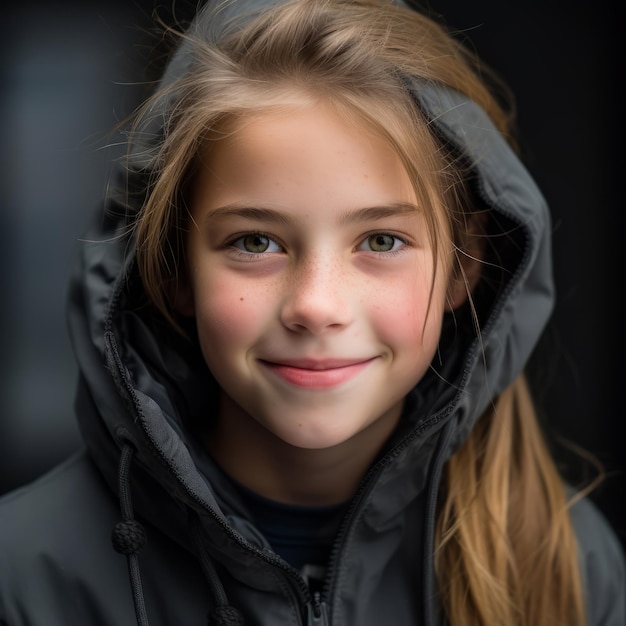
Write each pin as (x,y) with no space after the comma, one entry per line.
(504,535)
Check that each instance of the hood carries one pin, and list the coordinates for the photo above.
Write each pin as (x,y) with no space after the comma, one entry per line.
(141,382)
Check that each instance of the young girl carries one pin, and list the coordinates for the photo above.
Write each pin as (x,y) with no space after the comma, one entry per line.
(302,327)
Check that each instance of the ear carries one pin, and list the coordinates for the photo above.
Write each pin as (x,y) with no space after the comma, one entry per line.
(465,276)
(462,282)
(181,297)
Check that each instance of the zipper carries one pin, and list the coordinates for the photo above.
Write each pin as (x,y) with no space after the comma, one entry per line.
(432,490)
(317,612)
(317,607)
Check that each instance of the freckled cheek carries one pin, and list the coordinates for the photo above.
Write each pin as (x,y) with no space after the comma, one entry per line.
(229,314)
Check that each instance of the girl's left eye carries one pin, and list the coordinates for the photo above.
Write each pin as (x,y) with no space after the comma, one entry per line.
(381,242)
(255,243)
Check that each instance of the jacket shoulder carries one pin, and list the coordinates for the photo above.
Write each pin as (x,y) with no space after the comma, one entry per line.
(54,538)
(62,498)
(603,566)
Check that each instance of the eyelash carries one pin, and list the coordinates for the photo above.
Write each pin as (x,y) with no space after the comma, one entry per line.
(255,256)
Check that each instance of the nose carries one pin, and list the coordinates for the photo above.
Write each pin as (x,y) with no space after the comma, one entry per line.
(317,298)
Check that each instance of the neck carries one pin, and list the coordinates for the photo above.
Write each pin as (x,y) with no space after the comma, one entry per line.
(255,457)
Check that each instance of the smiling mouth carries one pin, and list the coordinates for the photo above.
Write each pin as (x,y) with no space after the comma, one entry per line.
(317,374)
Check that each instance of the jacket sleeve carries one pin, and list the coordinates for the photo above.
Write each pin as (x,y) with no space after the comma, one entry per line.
(602,565)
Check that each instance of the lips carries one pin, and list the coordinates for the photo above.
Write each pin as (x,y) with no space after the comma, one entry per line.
(317,374)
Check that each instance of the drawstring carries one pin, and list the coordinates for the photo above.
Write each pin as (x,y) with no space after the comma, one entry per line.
(129,535)
(223,614)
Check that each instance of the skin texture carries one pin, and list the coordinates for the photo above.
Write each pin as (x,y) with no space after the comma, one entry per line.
(310,276)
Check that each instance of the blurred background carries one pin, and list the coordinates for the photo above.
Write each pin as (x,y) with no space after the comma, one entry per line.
(69,71)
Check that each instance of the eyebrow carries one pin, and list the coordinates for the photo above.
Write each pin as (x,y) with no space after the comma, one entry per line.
(247,212)
(364,214)
(372,213)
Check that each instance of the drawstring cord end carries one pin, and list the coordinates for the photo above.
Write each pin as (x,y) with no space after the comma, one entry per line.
(225,615)
(129,536)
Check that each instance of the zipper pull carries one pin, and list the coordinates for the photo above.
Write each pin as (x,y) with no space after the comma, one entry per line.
(317,615)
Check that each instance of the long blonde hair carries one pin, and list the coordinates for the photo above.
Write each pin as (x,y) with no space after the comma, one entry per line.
(505,542)
(506,552)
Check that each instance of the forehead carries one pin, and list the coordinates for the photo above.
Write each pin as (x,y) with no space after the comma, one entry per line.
(299,152)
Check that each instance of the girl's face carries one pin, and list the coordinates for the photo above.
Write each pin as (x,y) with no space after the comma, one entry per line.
(310,276)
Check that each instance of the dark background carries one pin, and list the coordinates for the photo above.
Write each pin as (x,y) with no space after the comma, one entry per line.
(69,71)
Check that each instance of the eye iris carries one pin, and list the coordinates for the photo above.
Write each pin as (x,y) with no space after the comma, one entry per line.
(381,243)
(256,243)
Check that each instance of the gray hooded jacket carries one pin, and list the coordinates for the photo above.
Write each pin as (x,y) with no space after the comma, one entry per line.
(141,388)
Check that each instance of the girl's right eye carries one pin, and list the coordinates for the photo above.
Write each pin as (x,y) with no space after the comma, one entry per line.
(255,243)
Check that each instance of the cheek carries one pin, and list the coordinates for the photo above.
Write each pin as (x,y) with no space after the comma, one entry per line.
(228,314)
(402,315)
(399,320)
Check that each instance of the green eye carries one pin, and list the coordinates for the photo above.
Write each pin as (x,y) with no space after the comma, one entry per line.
(381,242)
(255,243)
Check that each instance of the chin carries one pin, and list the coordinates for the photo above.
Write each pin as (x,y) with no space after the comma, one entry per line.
(310,437)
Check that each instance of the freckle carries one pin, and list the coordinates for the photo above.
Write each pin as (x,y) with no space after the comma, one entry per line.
(240,299)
